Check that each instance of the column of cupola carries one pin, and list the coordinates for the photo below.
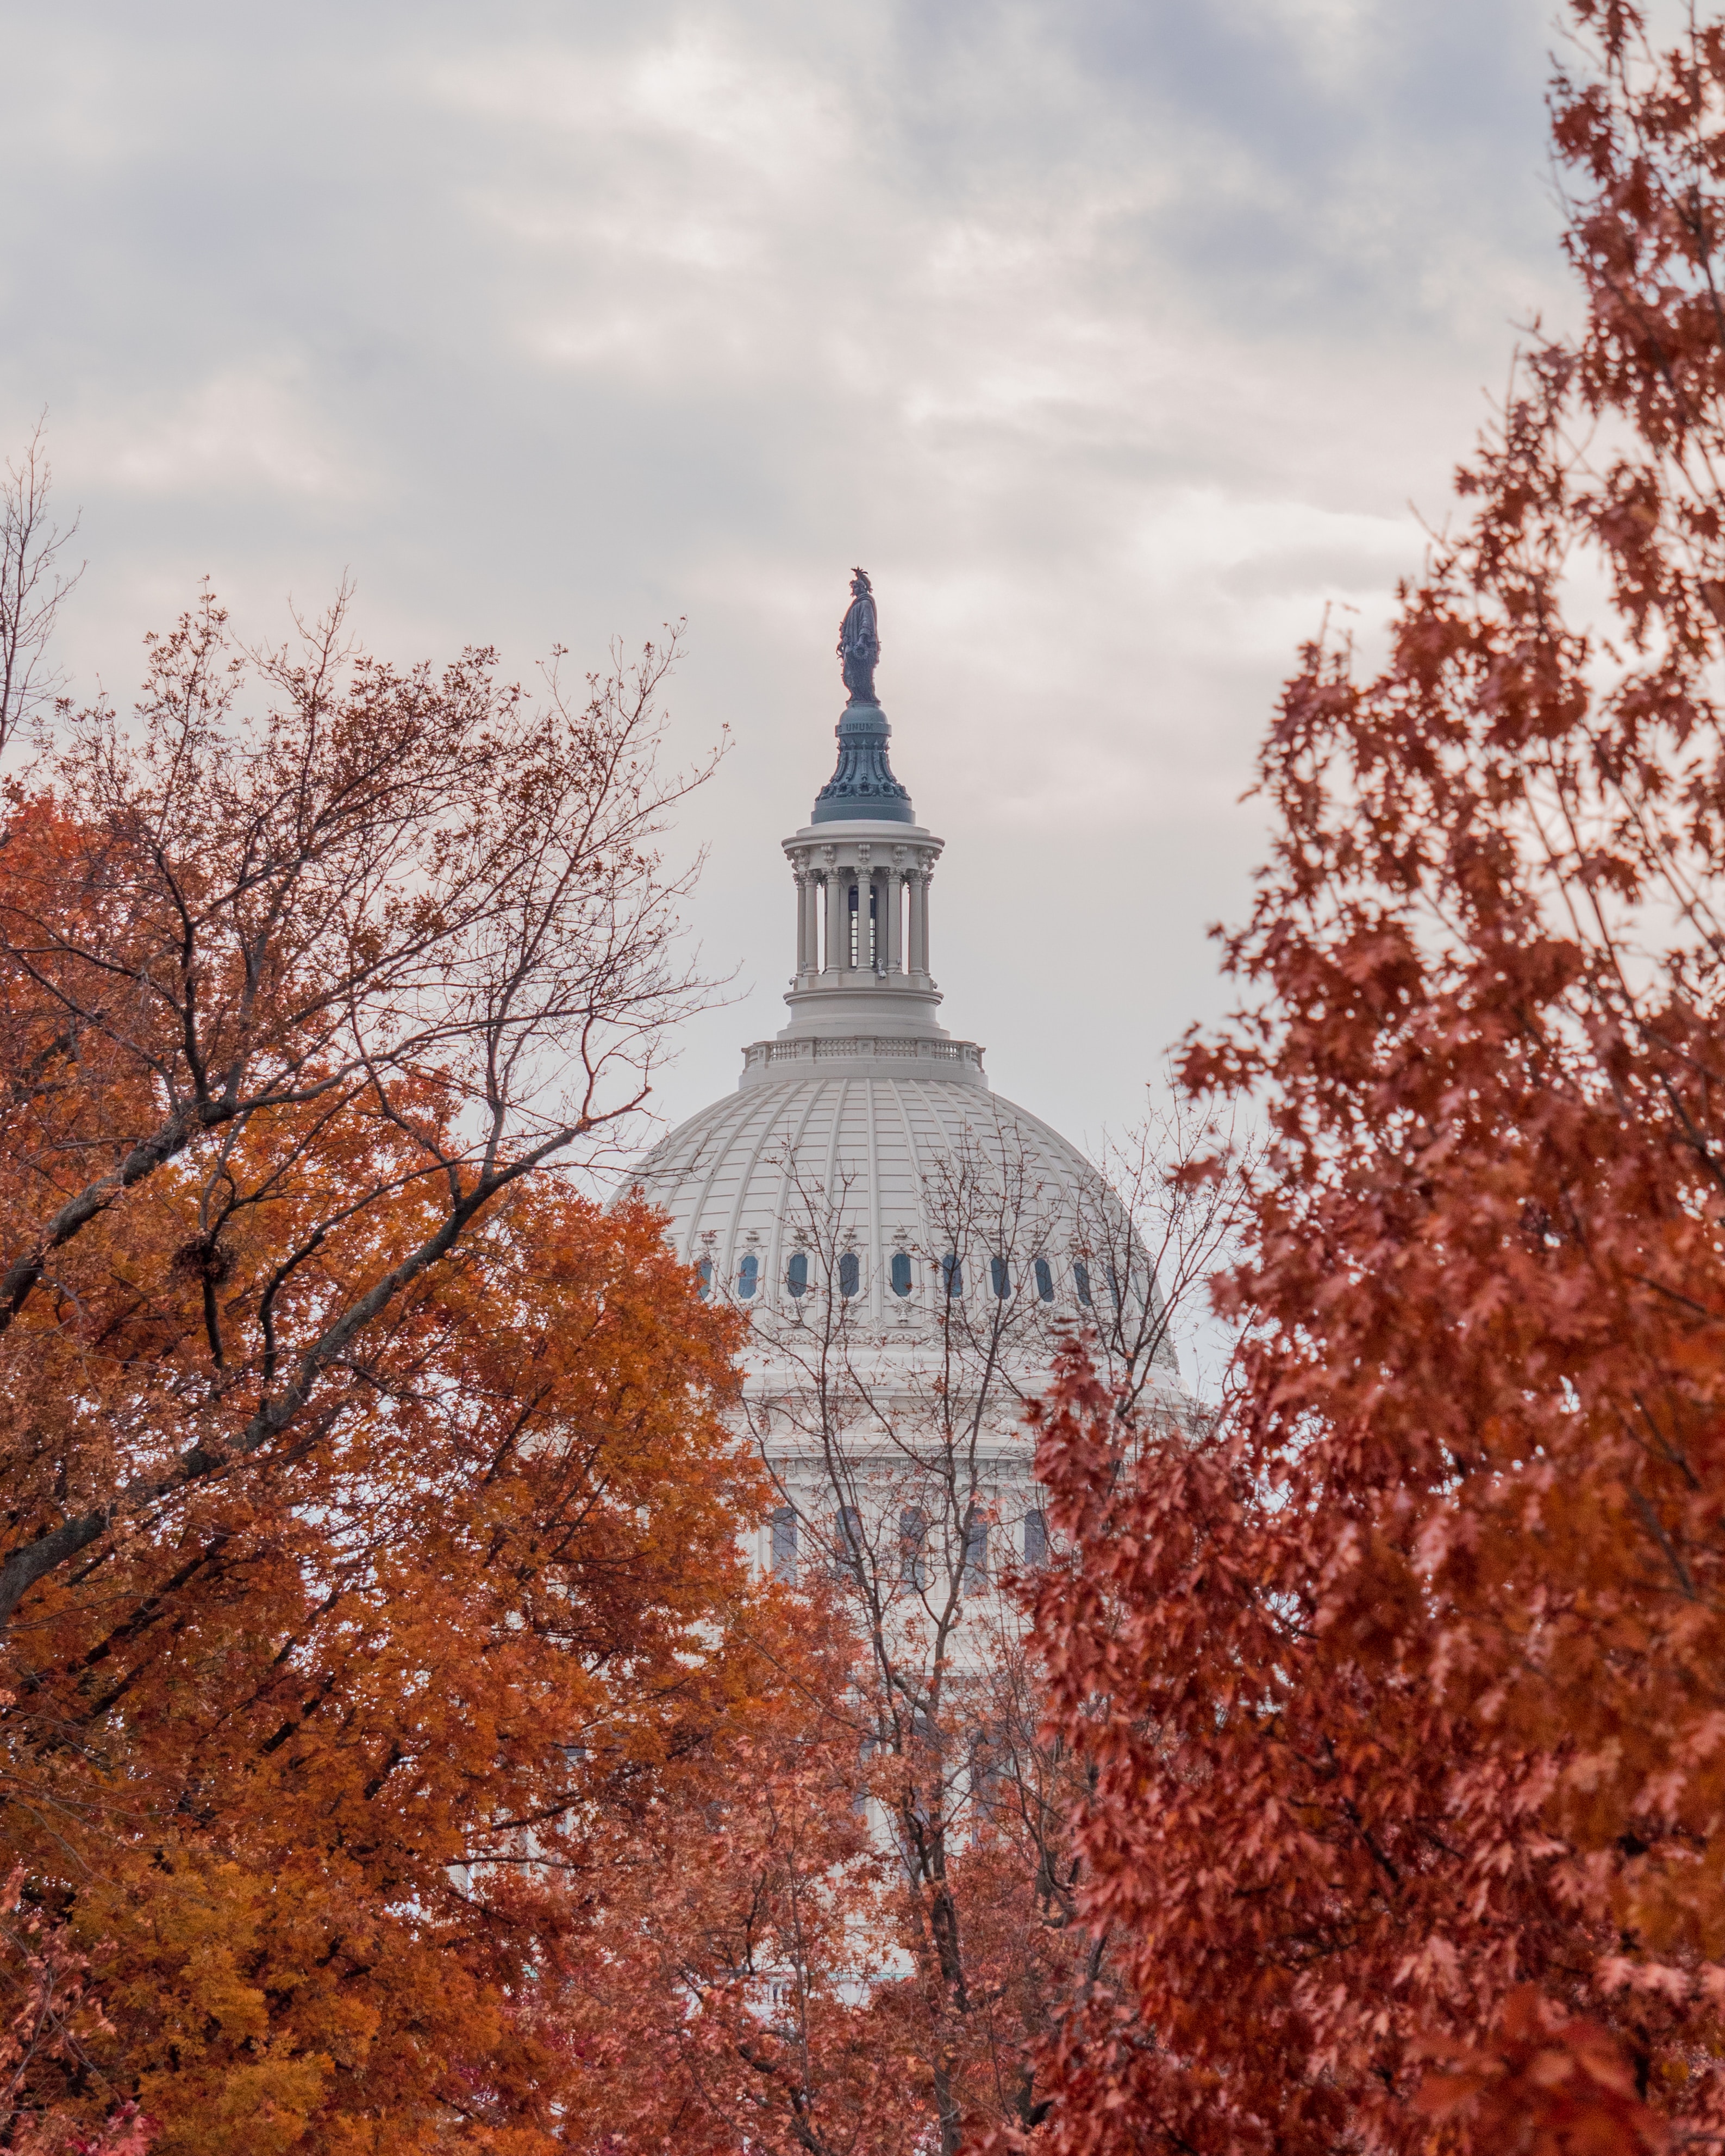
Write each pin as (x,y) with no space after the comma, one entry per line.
(813,898)
(917,958)
(865,928)
(838,921)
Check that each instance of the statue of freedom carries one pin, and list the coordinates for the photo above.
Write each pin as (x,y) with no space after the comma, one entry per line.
(859,640)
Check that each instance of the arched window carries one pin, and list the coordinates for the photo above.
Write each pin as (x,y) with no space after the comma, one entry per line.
(902,1273)
(952,1274)
(748,1275)
(784,1543)
(999,1279)
(974,1577)
(913,1547)
(1036,1538)
(796,1276)
(1081,1281)
(705,1271)
(1044,1281)
(1114,1285)
(849,1273)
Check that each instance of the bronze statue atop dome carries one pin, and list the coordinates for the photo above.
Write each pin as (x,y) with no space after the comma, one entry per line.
(859,641)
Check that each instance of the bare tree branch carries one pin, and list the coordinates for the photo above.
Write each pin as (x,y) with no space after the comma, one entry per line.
(33,583)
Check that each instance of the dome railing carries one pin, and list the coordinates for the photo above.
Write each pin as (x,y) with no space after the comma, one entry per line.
(846,1047)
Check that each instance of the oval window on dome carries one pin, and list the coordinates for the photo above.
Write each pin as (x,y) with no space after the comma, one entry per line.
(704,1272)
(748,1275)
(1000,1278)
(900,1272)
(1044,1281)
(796,1277)
(849,1273)
(1081,1281)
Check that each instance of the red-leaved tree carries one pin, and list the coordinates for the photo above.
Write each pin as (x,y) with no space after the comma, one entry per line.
(1404,1687)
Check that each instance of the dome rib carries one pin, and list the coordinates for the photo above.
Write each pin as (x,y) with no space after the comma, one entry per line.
(745,1183)
(794,1147)
(919,1174)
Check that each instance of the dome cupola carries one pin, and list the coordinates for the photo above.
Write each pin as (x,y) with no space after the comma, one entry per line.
(862,996)
(863,1112)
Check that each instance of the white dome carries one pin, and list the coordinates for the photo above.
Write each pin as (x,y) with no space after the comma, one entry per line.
(864,1172)
(911,1165)
(908,1247)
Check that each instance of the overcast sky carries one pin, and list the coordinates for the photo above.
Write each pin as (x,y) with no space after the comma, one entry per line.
(1115,340)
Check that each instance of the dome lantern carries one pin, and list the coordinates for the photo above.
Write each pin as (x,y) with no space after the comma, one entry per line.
(862,994)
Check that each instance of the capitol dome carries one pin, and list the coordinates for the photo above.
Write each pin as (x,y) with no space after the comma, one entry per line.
(864,1164)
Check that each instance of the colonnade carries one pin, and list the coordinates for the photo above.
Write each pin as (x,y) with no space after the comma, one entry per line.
(862,920)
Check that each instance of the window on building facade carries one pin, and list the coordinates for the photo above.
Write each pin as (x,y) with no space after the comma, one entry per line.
(1081,1281)
(797,1273)
(848,1544)
(913,1547)
(748,1275)
(1036,1538)
(952,1274)
(705,1271)
(999,1279)
(860,1802)
(985,1779)
(900,1272)
(974,1576)
(1044,1281)
(849,1273)
(784,1543)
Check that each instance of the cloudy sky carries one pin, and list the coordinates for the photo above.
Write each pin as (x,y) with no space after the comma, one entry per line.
(1117,338)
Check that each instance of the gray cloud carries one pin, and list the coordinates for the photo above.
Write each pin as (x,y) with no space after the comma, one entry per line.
(1115,339)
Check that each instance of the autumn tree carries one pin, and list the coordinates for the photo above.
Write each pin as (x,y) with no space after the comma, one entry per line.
(371,1572)
(412,913)
(1403,1690)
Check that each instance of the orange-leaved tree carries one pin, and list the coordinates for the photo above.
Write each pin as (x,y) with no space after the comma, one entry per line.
(371,1559)
(328,1784)
(1402,1688)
